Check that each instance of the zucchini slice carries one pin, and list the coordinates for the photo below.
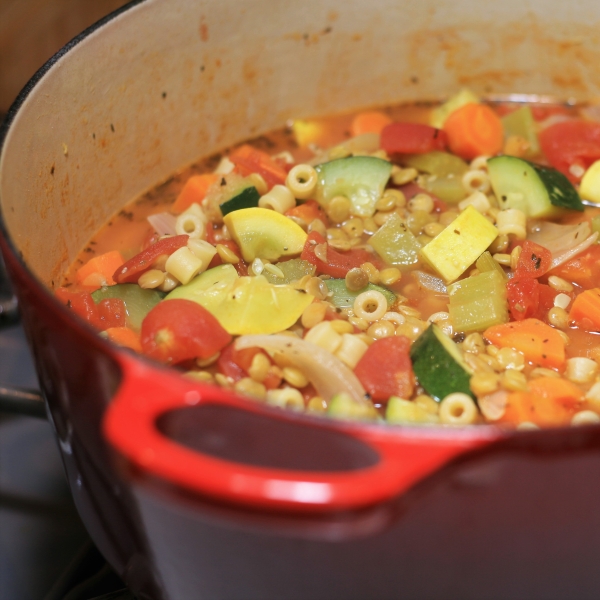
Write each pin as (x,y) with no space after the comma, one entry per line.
(439,365)
(138,301)
(246,198)
(342,297)
(361,179)
(537,191)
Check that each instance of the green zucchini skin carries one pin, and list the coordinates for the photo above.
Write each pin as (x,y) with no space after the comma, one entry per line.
(438,364)
(536,190)
(247,198)
(138,301)
(344,298)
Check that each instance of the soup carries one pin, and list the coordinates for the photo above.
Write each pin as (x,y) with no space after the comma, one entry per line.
(419,264)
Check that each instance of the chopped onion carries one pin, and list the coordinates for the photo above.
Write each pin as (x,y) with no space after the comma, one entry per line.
(430,282)
(163,223)
(563,241)
(328,374)
(367,142)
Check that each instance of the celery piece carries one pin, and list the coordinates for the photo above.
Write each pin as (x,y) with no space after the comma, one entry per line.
(395,243)
(436,163)
(292,270)
(342,297)
(138,301)
(478,302)
(454,250)
(442,112)
(486,263)
(521,123)
(448,188)
(343,406)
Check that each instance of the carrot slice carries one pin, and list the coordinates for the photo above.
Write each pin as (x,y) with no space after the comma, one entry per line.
(99,270)
(585,310)
(550,401)
(369,122)
(194,190)
(474,130)
(124,336)
(541,344)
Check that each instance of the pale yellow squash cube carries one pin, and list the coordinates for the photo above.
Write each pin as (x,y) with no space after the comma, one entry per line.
(456,248)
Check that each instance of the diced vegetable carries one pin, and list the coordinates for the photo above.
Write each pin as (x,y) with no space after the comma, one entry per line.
(534,260)
(459,245)
(245,305)
(124,336)
(437,163)
(590,183)
(178,330)
(265,234)
(585,310)
(130,272)
(550,401)
(81,303)
(99,270)
(337,264)
(236,363)
(448,188)
(369,122)
(395,242)
(474,130)
(307,212)
(537,191)
(343,406)
(361,179)
(246,198)
(439,365)
(194,191)
(344,298)
(442,112)
(412,138)
(571,146)
(250,160)
(138,301)
(111,313)
(292,270)
(487,263)
(521,123)
(523,294)
(542,345)
(478,302)
(400,411)
(385,369)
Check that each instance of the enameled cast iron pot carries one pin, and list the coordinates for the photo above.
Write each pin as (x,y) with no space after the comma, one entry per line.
(193,493)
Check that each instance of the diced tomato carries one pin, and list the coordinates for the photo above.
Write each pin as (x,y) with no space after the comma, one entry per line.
(111,313)
(571,143)
(250,160)
(546,302)
(412,138)
(178,330)
(308,212)
(338,263)
(81,303)
(130,272)
(583,269)
(523,295)
(534,260)
(236,364)
(385,369)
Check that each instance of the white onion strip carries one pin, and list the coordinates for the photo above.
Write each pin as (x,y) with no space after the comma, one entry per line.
(328,374)
(163,223)
(563,257)
(430,282)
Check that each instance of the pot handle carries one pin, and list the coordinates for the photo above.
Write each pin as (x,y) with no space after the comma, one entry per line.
(372,463)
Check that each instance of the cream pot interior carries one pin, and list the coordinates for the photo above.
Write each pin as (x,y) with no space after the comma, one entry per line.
(171,81)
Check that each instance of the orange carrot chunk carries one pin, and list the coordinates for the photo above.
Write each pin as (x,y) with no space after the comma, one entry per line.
(369,122)
(550,402)
(585,310)
(474,130)
(542,345)
(99,270)
(193,191)
(124,336)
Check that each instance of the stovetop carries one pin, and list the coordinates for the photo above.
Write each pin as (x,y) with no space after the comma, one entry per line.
(45,552)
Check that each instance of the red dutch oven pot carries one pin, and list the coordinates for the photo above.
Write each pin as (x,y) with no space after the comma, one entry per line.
(193,492)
